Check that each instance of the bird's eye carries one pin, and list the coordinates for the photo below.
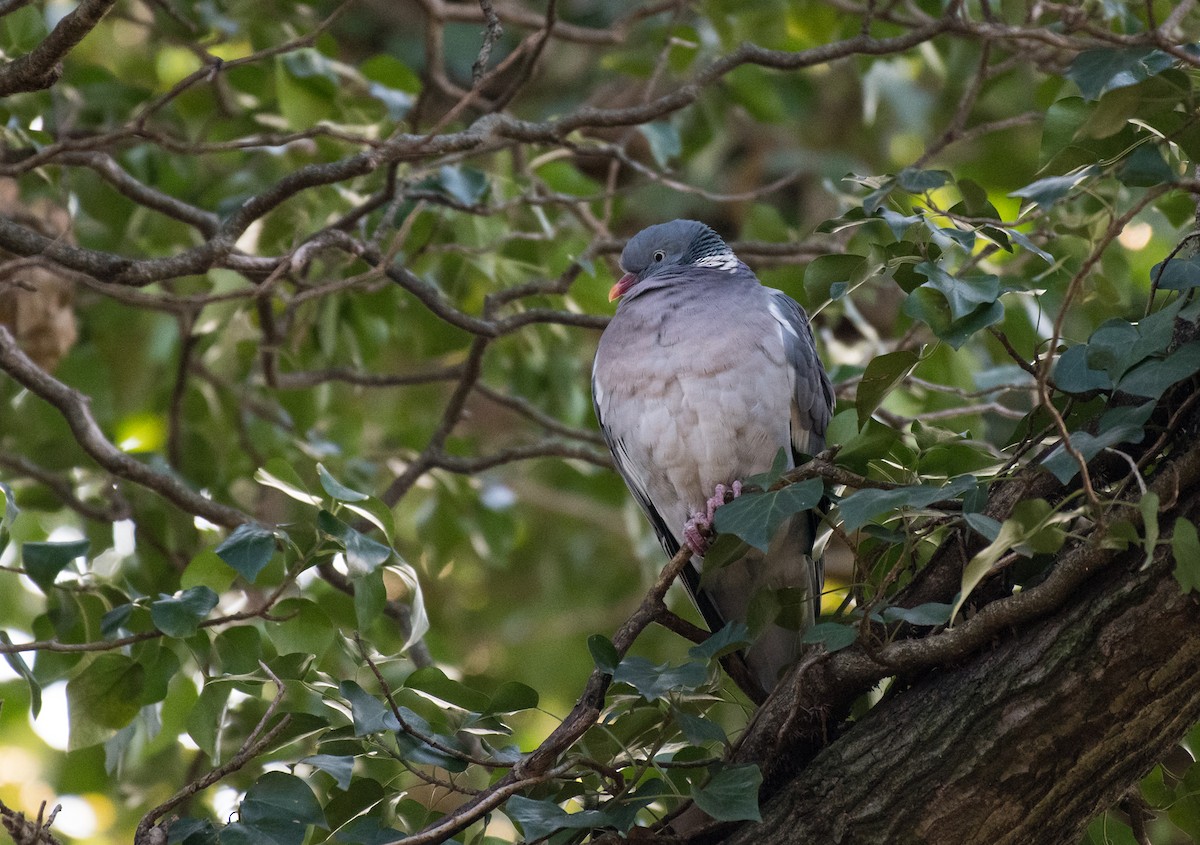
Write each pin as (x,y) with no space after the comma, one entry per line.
(659,255)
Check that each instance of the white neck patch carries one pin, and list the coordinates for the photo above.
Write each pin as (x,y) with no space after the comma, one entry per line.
(721,261)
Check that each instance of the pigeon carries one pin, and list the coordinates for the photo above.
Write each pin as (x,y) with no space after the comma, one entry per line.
(700,380)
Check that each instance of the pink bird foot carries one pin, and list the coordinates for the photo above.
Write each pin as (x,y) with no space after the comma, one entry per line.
(698,531)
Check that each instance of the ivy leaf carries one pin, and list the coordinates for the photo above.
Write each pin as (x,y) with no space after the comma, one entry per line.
(731,637)
(103,698)
(340,768)
(604,653)
(835,636)
(371,716)
(1073,374)
(919,181)
(1151,378)
(881,376)
(928,614)
(43,561)
(337,489)
(697,729)
(18,665)
(964,294)
(432,680)
(1177,274)
(655,681)
(1097,71)
(1185,546)
(1047,191)
(464,184)
(540,818)
(978,567)
(1149,508)
(731,794)
(511,697)
(280,806)
(178,615)
(862,506)
(363,555)
(664,140)
(248,550)
(1145,167)
(755,517)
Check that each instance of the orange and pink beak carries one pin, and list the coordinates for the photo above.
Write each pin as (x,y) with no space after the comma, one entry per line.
(621,287)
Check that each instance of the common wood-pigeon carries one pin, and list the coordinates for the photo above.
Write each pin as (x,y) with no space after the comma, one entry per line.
(701,377)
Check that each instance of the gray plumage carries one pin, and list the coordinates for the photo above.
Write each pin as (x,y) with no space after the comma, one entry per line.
(700,379)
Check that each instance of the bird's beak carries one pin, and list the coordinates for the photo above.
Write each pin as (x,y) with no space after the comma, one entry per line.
(621,287)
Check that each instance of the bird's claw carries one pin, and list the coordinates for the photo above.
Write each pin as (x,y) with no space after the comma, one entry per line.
(698,530)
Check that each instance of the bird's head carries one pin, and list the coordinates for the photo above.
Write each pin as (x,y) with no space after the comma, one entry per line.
(667,246)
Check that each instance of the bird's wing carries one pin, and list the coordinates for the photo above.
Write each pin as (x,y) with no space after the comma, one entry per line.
(812,398)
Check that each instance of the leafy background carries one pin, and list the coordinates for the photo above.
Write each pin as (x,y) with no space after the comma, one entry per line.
(394,226)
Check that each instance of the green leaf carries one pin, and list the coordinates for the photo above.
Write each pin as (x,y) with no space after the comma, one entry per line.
(928,614)
(826,271)
(464,184)
(371,716)
(980,566)
(697,729)
(655,681)
(280,475)
(933,309)
(1048,190)
(604,653)
(723,551)
(239,649)
(539,818)
(208,570)
(983,525)
(178,615)
(964,294)
(664,140)
(1097,71)
(341,768)
(43,561)
(511,697)
(730,638)
(731,794)
(248,550)
(370,598)
(835,636)
(1178,274)
(281,806)
(1151,378)
(881,376)
(205,718)
(336,489)
(1185,546)
(755,517)
(1145,167)
(363,555)
(432,680)
(303,628)
(1149,508)
(18,665)
(919,181)
(1073,374)
(862,506)
(103,698)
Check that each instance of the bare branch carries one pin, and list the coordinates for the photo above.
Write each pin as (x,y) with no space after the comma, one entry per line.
(41,67)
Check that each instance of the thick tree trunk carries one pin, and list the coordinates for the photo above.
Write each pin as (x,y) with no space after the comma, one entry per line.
(1024,743)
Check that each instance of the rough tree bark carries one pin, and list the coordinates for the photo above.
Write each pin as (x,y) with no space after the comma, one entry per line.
(1026,743)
